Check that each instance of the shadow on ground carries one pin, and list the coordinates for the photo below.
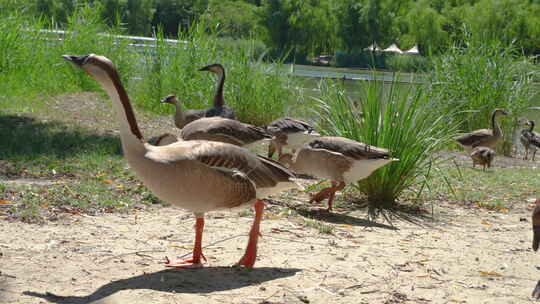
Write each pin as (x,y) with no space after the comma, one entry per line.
(27,137)
(203,280)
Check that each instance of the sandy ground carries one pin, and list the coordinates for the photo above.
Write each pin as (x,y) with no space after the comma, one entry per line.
(460,255)
(465,255)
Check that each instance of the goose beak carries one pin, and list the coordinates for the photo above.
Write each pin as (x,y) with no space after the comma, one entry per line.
(77,60)
(206,68)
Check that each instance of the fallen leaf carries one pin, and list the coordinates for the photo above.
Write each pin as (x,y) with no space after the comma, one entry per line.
(484,222)
(491,273)
(107,181)
(5,202)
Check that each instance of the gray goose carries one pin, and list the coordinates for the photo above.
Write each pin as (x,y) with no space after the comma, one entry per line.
(289,132)
(197,175)
(225,130)
(338,159)
(182,117)
(529,139)
(483,137)
(482,156)
(219,108)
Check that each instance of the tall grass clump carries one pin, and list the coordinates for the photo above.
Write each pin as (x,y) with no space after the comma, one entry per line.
(30,60)
(395,116)
(477,78)
(257,91)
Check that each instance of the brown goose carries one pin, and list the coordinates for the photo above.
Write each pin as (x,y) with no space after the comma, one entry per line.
(219,108)
(338,159)
(182,117)
(225,130)
(482,156)
(289,132)
(530,139)
(197,175)
(483,137)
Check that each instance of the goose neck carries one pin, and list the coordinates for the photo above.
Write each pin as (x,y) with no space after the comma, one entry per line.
(495,126)
(218,97)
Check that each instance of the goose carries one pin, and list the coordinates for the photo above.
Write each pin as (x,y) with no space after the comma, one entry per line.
(196,175)
(338,159)
(182,117)
(483,137)
(482,156)
(536,225)
(225,130)
(219,108)
(289,132)
(529,139)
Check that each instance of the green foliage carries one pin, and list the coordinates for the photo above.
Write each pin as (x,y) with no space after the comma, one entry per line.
(484,75)
(237,19)
(258,92)
(407,63)
(399,117)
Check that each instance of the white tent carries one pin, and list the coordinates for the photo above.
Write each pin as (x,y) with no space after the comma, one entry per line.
(393,49)
(413,50)
(373,47)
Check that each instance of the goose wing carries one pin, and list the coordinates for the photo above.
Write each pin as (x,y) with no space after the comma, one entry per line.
(262,172)
(224,130)
(289,125)
(474,137)
(348,147)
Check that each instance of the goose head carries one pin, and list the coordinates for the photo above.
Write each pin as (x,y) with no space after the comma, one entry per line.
(498,112)
(214,68)
(95,65)
(170,99)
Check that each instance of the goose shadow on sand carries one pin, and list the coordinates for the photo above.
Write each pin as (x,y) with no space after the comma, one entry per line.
(203,280)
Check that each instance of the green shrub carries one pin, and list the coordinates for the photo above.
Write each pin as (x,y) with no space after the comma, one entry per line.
(479,77)
(407,63)
(396,116)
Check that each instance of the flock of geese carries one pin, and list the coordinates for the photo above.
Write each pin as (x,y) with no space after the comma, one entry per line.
(208,166)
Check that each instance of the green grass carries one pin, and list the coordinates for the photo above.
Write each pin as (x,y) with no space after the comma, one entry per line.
(475,79)
(320,226)
(395,116)
(31,67)
(494,189)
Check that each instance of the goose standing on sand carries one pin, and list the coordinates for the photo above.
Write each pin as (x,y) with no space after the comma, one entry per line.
(482,156)
(483,137)
(225,130)
(289,132)
(219,108)
(338,159)
(529,139)
(197,175)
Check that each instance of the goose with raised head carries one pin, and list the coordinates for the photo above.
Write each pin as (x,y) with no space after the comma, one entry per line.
(182,117)
(219,108)
(197,175)
(290,133)
(529,139)
(225,130)
(338,159)
(482,156)
(483,137)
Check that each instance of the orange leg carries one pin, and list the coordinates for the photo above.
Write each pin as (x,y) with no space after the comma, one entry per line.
(194,262)
(248,260)
(329,193)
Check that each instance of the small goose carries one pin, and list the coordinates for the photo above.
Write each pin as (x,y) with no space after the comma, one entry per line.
(536,225)
(483,137)
(182,117)
(482,156)
(197,175)
(529,139)
(338,159)
(225,130)
(289,132)
(219,108)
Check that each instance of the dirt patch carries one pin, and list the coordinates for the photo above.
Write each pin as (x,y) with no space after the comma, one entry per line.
(466,255)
